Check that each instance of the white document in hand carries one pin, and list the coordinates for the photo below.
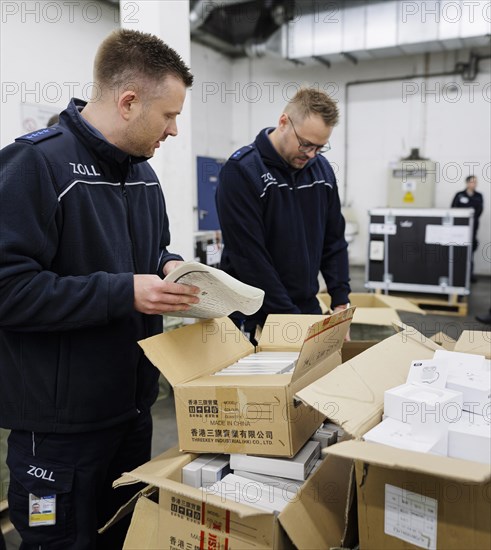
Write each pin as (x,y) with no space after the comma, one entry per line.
(220,294)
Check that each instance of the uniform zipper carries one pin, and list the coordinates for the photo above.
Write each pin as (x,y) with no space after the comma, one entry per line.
(128,217)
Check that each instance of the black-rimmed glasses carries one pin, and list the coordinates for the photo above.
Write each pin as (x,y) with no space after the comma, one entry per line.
(306,147)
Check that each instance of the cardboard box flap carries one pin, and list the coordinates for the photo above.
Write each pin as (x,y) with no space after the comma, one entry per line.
(352,395)
(143,530)
(128,507)
(196,350)
(401,304)
(286,332)
(392,457)
(319,518)
(380,316)
(371,301)
(474,341)
(444,340)
(323,339)
(161,466)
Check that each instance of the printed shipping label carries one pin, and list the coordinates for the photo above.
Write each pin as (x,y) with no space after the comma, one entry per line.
(411,517)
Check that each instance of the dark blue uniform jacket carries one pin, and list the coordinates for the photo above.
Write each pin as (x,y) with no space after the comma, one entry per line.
(78,217)
(281,227)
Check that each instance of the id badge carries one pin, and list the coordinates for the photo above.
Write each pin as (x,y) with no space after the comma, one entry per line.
(42,510)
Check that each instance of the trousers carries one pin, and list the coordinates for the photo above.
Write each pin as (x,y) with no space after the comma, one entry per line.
(71,475)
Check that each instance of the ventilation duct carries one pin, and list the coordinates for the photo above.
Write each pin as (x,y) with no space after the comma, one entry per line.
(368,30)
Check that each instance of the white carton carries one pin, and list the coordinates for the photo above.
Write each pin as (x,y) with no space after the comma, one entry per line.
(215,470)
(468,374)
(290,485)
(191,473)
(422,407)
(234,488)
(404,436)
(470,438)
(297,467)
(429,373)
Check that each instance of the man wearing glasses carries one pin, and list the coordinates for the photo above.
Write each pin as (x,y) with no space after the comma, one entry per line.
(280,213)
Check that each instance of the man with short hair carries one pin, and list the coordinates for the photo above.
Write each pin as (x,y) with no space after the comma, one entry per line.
(84,252)
(280,213)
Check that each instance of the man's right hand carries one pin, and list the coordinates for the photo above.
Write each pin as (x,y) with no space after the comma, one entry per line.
(154,296)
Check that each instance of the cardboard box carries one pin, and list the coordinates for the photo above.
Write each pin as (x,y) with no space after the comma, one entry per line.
(473,341)
(319,517)
(444,340)
(405,499)
(373,319)
(246,414)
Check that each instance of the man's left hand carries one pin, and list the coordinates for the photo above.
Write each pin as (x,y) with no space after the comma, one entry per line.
(342,307)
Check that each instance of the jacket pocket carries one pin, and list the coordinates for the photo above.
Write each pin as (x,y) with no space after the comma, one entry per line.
(42,478)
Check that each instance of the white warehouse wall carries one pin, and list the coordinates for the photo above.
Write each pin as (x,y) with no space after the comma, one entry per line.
(447,119)
(46,50)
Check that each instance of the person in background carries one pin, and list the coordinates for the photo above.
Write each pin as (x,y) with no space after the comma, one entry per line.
(470,198)
(280,213)
(84,252)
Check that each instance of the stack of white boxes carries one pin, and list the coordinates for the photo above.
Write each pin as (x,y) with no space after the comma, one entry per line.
(263,362)
(443,408)
(266,483)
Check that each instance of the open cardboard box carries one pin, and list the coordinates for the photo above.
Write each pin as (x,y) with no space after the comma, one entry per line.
(473,341)
(373,319)
(405,499)
(246,414)
(318,518)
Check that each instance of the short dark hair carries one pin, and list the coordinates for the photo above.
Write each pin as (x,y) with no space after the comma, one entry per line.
(127,56)
(310,101)
(469,178)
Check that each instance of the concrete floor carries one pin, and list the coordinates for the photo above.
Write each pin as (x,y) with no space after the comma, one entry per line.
(479,302)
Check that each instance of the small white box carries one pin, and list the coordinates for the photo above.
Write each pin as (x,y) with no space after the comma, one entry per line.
(253,493)
(297,467)
(191,473)
(428,372)
(469,374)
(270,357)
(476,391)
(422,406)
(290,485)
(470,438)
(251,364)
(215,470)
(458,361)
(401,435)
